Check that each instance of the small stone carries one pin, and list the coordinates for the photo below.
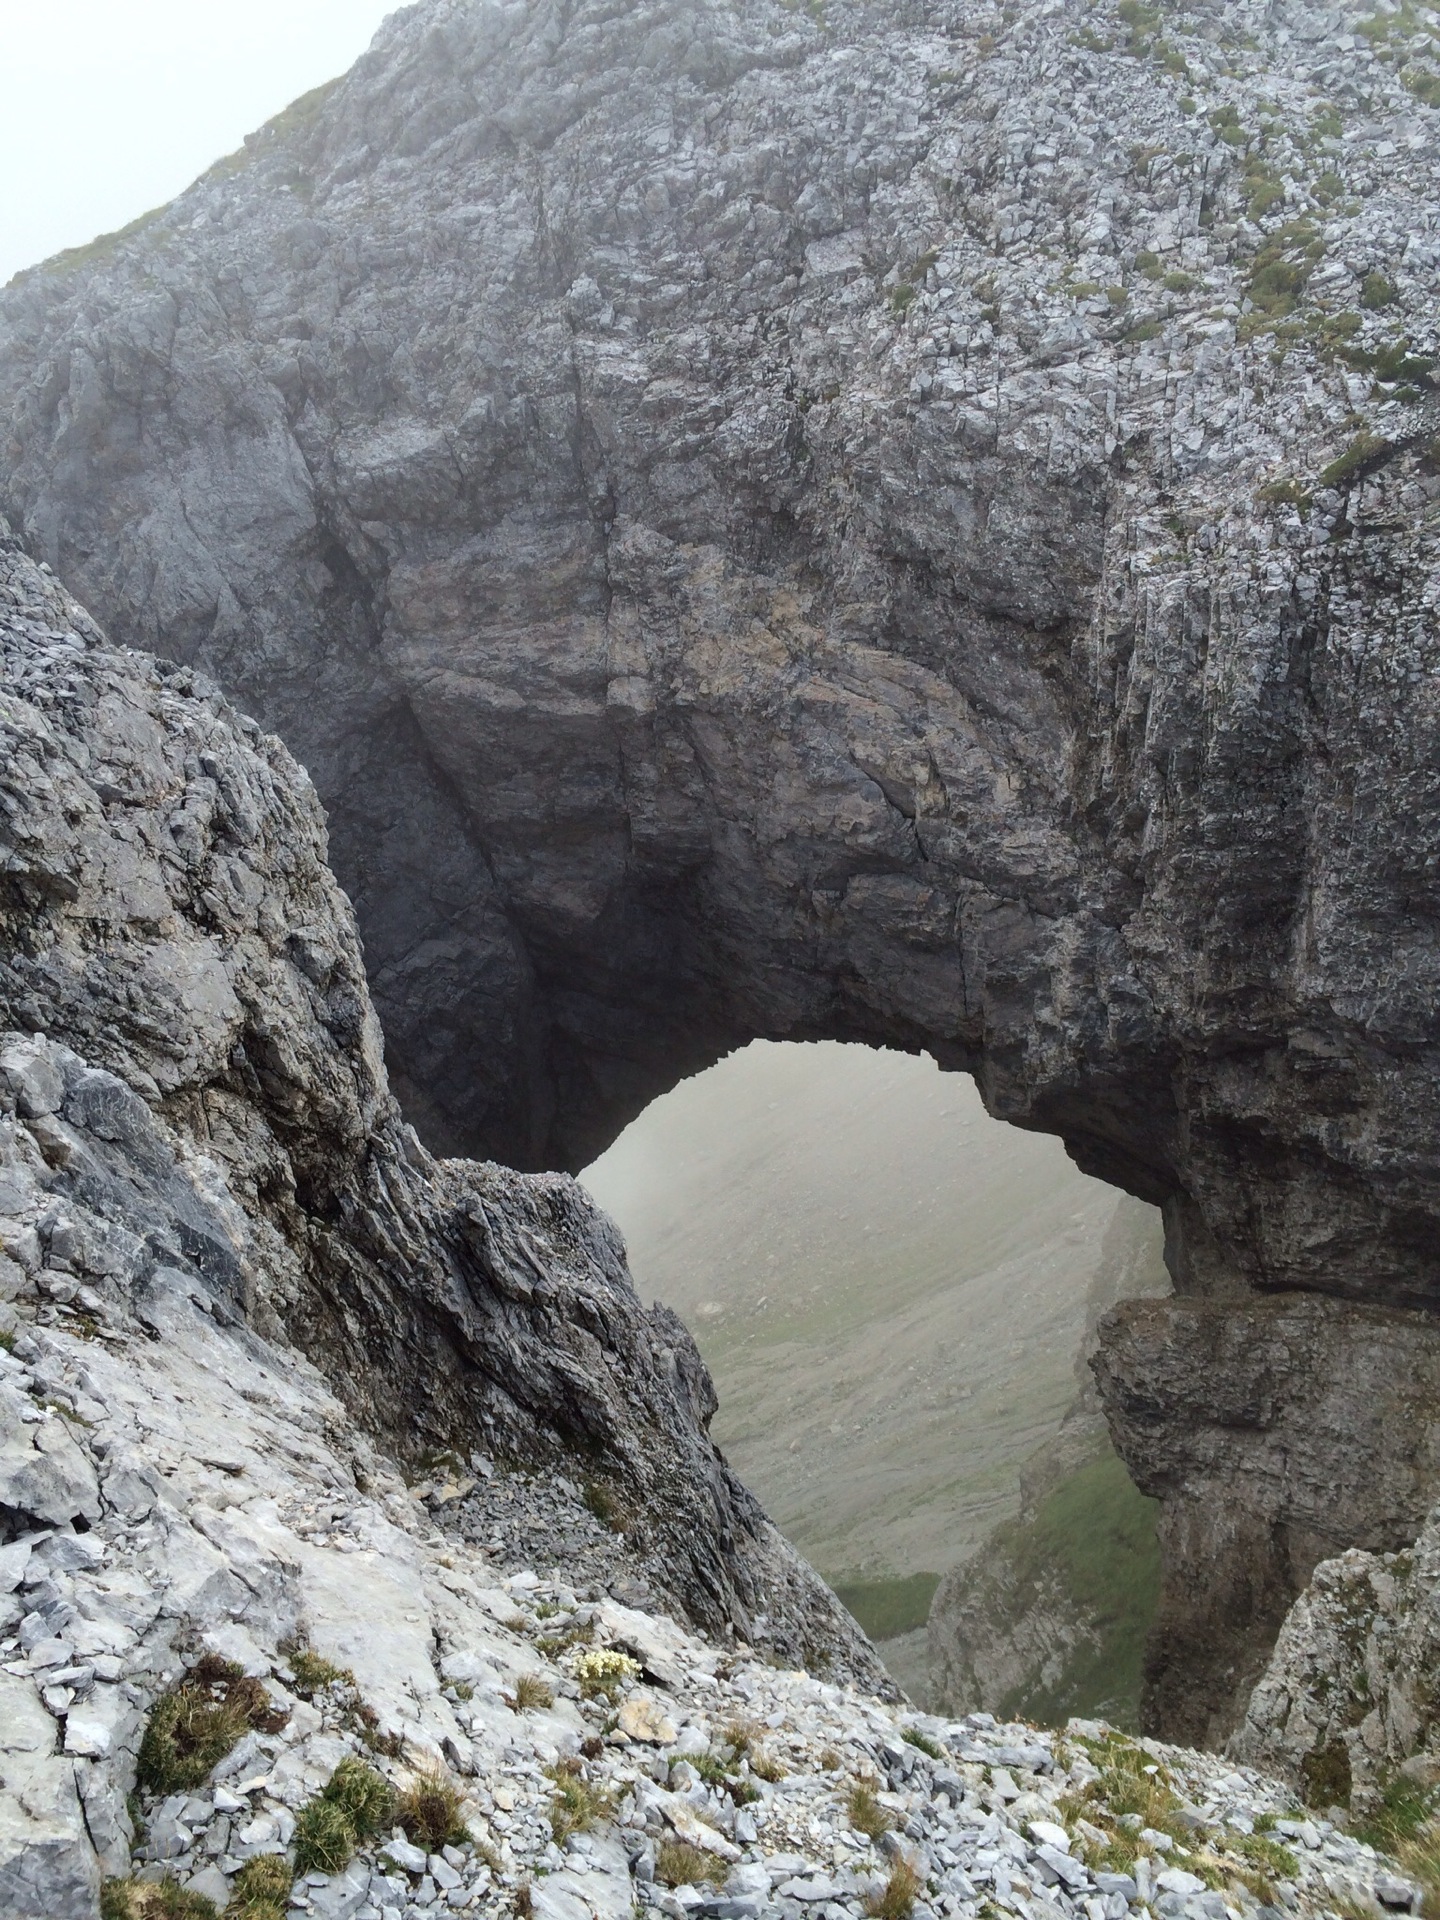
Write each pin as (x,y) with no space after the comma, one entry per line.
(643,1718)
(1176,1880)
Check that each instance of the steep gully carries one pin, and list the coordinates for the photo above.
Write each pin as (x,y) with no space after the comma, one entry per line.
(697,633)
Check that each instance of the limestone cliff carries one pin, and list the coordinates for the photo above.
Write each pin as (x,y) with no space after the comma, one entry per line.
(912,524)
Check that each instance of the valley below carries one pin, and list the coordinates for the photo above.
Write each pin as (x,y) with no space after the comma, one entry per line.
(892,1291)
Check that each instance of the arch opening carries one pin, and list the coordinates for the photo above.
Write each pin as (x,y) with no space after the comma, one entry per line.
(898,1298)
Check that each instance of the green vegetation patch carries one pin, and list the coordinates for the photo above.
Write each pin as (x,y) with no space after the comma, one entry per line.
(193,1726)
(577,1804)
(1405,1807)
(679,1864)
(887,1608)
(153,1900)
(1281,272)
(1364,453)
(261,1889)
(1094,1535)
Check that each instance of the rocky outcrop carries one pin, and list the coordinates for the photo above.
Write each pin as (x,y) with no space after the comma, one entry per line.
(1274,1434)
(909,526)
(1347,1704)
(195,1104)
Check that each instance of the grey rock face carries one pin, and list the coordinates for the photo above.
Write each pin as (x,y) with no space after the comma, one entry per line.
(1275,1433)
(915,528)
(227,1135)
(1347,1700)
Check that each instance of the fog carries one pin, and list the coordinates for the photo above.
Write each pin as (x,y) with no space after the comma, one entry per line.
(110,109)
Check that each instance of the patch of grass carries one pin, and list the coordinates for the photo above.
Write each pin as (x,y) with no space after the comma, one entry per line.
(1376,292)
(324,1838)
(366,1800)
(865,1812)
(103,247)
(195,1725)
(718,1770)
(429,1811)
(1285,493)
(896,1899)
(901,297)
(1405,1807)
(679,1864)
(261,1889)
(916,1738)
(1281,271)
(1178,282)
(1143,330)
(1129,1783)
(607,1506)
(7,1341)
(578,1634)
(887,1608)
(1268,1861)
(1364,451)
(577,1804)
(153,1900)
(531,1692)
(312,1674)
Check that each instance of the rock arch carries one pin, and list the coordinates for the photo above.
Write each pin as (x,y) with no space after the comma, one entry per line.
(558,433)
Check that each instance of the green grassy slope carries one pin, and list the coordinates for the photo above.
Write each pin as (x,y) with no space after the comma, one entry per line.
(889,1288)
(1093,1538)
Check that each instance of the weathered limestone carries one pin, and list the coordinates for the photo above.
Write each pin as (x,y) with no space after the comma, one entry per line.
(913,527)
(203,1108)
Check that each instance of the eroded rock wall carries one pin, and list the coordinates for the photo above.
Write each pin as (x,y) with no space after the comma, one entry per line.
(197,1100)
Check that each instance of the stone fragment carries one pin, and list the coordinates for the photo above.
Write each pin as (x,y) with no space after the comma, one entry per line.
(643,1718)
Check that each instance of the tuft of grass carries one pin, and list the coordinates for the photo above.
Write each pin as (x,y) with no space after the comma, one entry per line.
(866,1814)
(896,1899)
(1376,292)
(153,1900)
(679,1864)
(916,1738)
(531,1692)
(261,1889)
(7,1341)
(1364,451)
(429,1811)
(607,1506)
(742,1737)
(1405,1808)
(366,1800)
(577,1804)
(324,1838)
(314,1675)
(193,1726)
(1285,493)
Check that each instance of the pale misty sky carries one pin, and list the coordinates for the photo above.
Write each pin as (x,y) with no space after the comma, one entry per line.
(111,107)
